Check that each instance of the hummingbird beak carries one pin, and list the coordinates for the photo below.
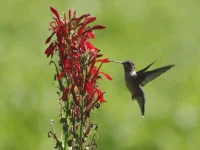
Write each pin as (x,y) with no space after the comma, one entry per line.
(116,61)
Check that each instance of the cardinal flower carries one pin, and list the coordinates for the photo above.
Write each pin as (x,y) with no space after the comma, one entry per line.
(78,71)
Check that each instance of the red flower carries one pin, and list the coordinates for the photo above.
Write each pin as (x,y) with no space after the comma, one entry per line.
(90,47)
(50,50)
(105,60)
(65,94)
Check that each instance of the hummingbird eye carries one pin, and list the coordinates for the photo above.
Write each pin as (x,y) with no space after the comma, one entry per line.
(129,64)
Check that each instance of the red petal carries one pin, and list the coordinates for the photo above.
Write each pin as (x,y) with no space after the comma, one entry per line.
(61,75)
(95,71)
(73,94)
(99,55)
(49,38)
(106,75)
(50,50)
(67,64)
(65,94)
(55,12)
(74,14)
(52,24)
(97,27)
(70,13)
(81,30)
(83,16)
(102,99)
(89,20)
(65,20)
(91,94)
(105,60)
(58,30)
(90,46)
(100,96)
(91,34)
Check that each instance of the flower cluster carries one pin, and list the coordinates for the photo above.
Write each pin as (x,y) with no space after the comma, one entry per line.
(77,73)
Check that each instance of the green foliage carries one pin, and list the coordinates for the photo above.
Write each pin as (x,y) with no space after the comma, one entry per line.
(142,31)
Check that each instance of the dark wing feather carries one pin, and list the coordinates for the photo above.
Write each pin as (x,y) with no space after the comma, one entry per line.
(143,70)
(148,76)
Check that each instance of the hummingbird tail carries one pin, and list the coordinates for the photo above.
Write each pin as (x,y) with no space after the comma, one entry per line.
(142,111)
(141,102)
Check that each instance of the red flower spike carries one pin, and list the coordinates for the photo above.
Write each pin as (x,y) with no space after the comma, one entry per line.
(79,70)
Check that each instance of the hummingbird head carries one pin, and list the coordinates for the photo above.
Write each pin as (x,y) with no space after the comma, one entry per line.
(128,66)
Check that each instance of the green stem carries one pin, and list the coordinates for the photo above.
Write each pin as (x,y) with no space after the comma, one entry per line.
(66,124)
(81,128)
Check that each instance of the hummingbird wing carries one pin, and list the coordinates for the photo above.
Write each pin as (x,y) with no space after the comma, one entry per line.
(148,76)
(143,70)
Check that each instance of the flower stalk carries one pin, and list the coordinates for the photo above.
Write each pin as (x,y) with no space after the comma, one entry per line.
(78,71)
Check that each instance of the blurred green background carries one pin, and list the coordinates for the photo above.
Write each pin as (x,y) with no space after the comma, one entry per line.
(143,31)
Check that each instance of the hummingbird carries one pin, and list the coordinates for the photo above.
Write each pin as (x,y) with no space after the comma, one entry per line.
(135,81)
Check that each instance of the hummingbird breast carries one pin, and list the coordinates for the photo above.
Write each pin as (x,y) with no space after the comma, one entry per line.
(131,82)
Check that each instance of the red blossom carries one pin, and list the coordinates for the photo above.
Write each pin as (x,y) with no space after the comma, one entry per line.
(105,60)
(49,38)
(83,16)
(89,20)
(50,50)
(91,34)
(61,75)
(70,13)
(89,46)
(81,30)
(100,96)
(97,27)
(106,75)
(65,94)
(55,12)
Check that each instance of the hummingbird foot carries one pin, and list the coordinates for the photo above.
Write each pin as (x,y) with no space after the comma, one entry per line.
(133,97)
